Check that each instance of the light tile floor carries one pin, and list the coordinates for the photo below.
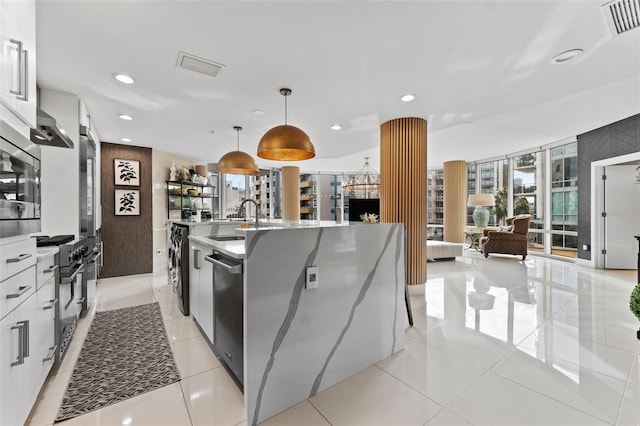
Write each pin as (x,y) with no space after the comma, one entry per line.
(495,341)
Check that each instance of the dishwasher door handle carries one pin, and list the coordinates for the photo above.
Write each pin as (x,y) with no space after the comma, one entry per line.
(235,268)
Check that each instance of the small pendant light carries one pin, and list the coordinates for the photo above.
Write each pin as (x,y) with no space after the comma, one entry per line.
(286,143)
(238,162)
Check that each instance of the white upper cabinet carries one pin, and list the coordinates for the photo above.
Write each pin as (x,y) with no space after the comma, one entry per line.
(18,63)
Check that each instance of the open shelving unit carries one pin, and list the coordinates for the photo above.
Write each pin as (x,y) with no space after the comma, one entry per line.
(186,195)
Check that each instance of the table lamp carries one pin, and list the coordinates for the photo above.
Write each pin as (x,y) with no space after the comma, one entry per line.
(481,212)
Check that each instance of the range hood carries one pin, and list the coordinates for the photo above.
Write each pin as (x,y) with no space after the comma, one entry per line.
(47,131)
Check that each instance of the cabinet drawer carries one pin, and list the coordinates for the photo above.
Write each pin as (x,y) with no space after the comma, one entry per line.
(16,256)
(46,307)
(44,330)
(46,269)
(16,290)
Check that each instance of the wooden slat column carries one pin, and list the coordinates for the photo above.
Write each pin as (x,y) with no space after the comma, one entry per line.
(455,200)
(403,187)
(291,193)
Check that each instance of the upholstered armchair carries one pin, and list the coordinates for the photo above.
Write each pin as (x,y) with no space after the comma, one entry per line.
(511,240)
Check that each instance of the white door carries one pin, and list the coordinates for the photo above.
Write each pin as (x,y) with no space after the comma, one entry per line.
(622,222)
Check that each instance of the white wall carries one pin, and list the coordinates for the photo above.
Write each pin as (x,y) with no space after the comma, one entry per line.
(60,172)
(161,161)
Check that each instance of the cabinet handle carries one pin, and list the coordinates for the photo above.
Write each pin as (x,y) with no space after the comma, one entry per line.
(50,354)
(20,49)
(20,329)
(51,269)
(24,77)
(196,255)
(20,258)
(21,290)
(51,305)
(25,341)
(228,356)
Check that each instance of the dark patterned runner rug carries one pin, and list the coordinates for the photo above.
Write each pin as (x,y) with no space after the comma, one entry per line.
(125,354)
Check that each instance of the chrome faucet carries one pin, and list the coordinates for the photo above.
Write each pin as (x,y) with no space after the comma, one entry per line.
(245,210)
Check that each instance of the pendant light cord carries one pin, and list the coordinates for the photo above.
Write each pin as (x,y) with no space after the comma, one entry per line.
(238,133)
(285,110)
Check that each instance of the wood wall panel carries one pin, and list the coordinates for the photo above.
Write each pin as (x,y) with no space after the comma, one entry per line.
(455,200)
(403,187)
(291,193)
(128,240)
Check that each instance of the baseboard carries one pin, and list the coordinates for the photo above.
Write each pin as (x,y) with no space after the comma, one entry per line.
(584,262)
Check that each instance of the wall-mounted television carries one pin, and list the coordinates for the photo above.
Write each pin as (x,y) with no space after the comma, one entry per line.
(360,206)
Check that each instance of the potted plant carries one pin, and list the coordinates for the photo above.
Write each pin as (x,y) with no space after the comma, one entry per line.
(634,305)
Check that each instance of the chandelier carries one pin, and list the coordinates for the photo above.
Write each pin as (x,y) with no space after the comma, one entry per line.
(365,179)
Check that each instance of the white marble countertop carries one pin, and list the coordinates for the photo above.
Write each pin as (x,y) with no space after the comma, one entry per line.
(44,252)
(233,248)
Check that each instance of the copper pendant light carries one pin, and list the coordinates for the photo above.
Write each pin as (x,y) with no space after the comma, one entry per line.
(286,143)
(238,162)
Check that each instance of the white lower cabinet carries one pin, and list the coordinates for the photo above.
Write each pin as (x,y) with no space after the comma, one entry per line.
(26,344)
(201,288)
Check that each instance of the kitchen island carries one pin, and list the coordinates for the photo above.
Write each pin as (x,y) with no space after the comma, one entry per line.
(319,304)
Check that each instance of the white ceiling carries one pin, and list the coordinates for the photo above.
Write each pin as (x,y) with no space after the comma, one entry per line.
(480,71)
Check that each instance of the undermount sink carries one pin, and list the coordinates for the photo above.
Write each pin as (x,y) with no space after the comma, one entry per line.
(225,237)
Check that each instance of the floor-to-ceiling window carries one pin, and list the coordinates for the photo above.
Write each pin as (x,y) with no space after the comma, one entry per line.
(528,194)
(472,177)
(435,204)
(564,200)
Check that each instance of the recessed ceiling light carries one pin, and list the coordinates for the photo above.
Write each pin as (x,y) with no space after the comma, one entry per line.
(125,140)
(42,138)
(567,56)
(336,127)
(258,112)
(63,131)
(125,117)
(408,97)
(123,78)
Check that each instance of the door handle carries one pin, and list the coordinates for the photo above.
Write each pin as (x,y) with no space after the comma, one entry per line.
(20,329)
(50,354)
(81,301)
(21,290)
(25,340)
(232,269)
(51,305)
(20,258)
(51,269)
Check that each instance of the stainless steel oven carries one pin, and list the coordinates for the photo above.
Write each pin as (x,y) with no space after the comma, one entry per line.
(19,183)
(70,295)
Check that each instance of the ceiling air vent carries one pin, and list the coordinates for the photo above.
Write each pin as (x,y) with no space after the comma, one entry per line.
(622,15)
(201,65)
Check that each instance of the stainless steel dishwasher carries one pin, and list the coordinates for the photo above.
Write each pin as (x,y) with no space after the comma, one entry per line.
(227,302)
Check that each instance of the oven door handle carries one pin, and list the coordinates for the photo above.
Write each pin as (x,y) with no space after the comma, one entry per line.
(69,280)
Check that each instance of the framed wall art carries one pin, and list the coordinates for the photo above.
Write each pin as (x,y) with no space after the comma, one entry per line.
(127,202)
(126,172)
